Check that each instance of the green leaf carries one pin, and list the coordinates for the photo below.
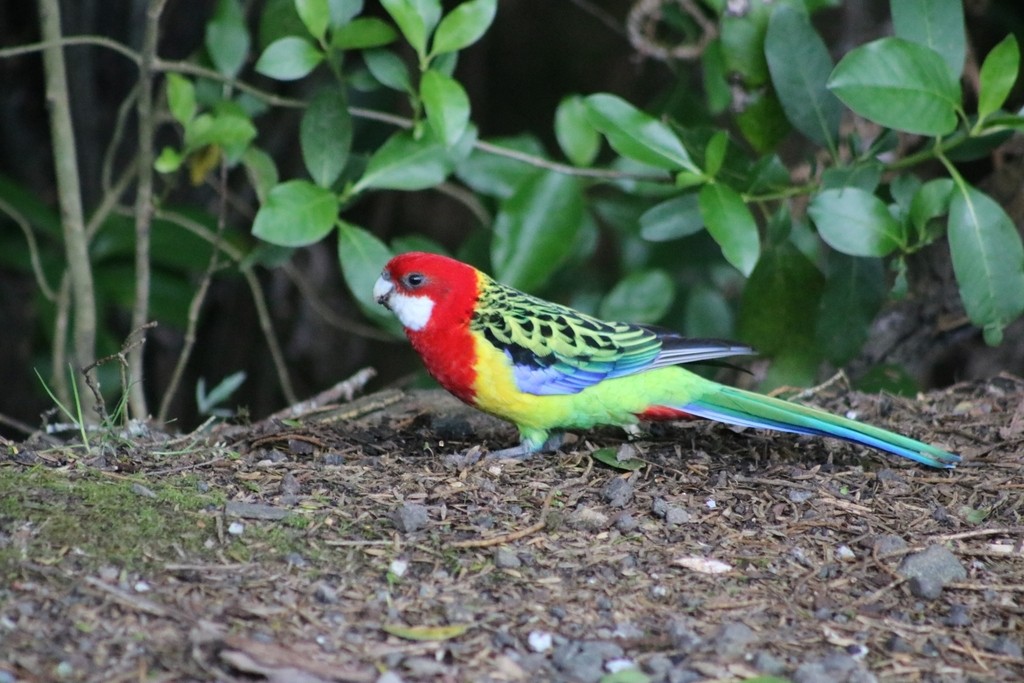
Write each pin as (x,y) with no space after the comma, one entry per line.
(227,127)
(426,633)
(325,134)
(988,260)
(641,297)
(610,456)
(743,37)
(636,134)
(464,25)
(364,32)
(227,38)
(362,257)
(389,69)
(289,58)
(672,219)
(936,24)
(181,98)
(261,170)
(899,84)
(631,675)
(854,293)
(296,213)
(929,202)
(169,160)
(715,151)
(731,224)
(715,77)
(576,136)
(343,11)
(536,228)
(207,402)
(855,222)
(498,175)
(763,121)
(708,314)
(404,163)
(315,15)
(447,106)
(800,66)
(998,74)
(414,19)
(865,175)
(779,302)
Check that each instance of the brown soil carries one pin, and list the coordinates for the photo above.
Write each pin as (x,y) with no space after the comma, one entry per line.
(361,547)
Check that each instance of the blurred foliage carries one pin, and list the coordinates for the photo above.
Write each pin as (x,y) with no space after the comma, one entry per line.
(711,230)
(663,187)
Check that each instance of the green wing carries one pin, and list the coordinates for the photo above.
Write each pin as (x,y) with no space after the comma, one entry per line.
(557,350)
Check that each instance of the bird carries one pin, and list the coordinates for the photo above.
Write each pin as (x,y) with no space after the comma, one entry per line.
(548,368)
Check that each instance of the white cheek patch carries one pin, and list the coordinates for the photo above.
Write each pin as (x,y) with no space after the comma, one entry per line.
(413,311)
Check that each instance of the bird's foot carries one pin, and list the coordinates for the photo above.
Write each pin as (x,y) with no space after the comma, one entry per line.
(526,449)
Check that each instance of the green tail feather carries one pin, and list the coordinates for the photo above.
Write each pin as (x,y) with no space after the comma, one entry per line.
(744,408)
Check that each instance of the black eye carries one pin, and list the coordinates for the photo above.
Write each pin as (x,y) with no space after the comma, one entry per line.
(414,280)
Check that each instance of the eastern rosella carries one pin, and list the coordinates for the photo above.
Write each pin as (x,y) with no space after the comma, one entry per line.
(546,367)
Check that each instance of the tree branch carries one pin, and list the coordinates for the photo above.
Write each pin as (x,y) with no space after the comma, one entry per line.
(69,190)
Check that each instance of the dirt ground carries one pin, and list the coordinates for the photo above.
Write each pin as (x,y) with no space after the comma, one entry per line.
(359,546)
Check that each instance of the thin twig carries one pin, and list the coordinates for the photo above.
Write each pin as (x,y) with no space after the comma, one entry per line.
(515,535)
(262,310)
(144,204)
(120,124)
(345,390)
(33,249)
(312,297)
(197,302)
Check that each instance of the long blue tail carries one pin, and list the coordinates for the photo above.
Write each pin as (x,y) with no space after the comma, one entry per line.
(747,409)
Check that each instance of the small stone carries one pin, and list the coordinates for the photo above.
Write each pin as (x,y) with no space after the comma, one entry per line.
(506,558)
(295,559)
(625,523)
(659,506)
(333,460)
(326,593)
(203,486)
(1004,646)
(539,641)
(237,508)
(585,659)
(897,644)
(676,515)
(682,637)
(140,490)
(618,492)
(274,456)
(958,616)
(289,484)
(389,677)
(424,667)
(930,570)
(799,495)
(236,528)
(768,664)
(26,457)
(888,543)
(300,447)
(733,639)
(587,519)
(410,517)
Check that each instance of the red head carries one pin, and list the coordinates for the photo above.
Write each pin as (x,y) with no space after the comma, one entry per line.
(434,298)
